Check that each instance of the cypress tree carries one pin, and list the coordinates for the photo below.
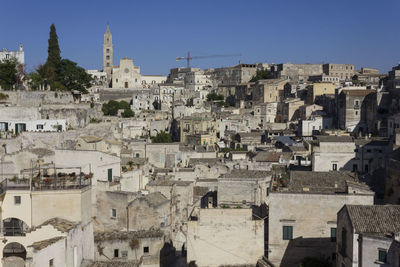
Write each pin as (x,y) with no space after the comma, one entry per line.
(54,53)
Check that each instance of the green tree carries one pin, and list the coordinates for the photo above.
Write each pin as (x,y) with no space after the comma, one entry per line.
(214,97)
(73,77)
(8,73)
(110,108)
(128,113)
(54,52)
(124,105)
(157,105)
(162,137)
(261,75)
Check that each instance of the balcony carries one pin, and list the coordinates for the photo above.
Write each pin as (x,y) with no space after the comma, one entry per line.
(45,183)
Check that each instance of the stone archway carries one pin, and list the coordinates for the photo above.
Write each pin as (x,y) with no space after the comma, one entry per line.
(14,249)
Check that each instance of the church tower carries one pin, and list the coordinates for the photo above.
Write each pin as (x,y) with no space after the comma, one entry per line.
(108,53)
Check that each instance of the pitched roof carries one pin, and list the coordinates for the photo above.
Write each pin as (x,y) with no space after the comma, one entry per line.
(331,182)
(123,235)
(246,174)
(335,138)
(61,225)
(114,264)
(375,218)
(39,245)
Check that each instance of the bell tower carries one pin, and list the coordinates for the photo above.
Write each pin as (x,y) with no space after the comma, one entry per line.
(108,53)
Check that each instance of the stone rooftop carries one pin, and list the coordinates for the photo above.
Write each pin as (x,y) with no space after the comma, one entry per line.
(114,264)
(335,139)
(91,138)
(246,174)
(39,245)
(154,199)
(264,156)
(374,218)
(332,182)
(61,225)
(124,235)
(169,182)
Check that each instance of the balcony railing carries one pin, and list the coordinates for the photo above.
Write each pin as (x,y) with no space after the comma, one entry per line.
(45,183)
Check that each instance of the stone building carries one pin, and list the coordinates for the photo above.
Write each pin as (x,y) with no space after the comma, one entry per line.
(357,110)
(108,54)
(236,75)
(344,72)
(368,235)
(271,90)
(303,212)
(243,187)
(296,72)
(134,248)
(319,89)
(126,75)
(224,237)
(18,55)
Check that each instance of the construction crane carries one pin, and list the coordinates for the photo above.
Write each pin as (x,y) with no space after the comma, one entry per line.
(188,58)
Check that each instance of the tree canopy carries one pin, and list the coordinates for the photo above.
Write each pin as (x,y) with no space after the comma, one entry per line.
(215,97)
(111,108)
(162,137)
(261,75)
(58,73)
(11,74)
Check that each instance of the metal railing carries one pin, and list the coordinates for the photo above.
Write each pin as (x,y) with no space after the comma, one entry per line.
(45,183)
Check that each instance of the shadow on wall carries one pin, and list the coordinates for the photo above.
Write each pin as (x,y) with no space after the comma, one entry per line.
(300,248)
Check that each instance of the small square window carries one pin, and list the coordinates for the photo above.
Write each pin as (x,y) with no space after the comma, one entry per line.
(287,232)
(382,255)
(116,253)
(17,200)
(145,249)
(334,167)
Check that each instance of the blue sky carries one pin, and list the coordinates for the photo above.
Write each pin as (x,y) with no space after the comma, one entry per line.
(153,33)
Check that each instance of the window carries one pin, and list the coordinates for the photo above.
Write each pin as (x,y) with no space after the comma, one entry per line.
(356,113)
(124,254)
(113,213)
(51,263)
(137,155)
(333,234)
(334,167)
(382,255)
(108,57)
(116,252)
(287,232)
(344,242)
(108,50)
(108,64)
(145,249)
(39,126)
(17,200)
(109,175)
(355,167)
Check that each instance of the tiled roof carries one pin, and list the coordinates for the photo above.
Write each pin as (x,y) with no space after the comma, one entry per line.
(335,139)
(264,156)
(321,182)
(39,245)
(114,264)
(123,235)
(375,218)
(61,225)
(246,174)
